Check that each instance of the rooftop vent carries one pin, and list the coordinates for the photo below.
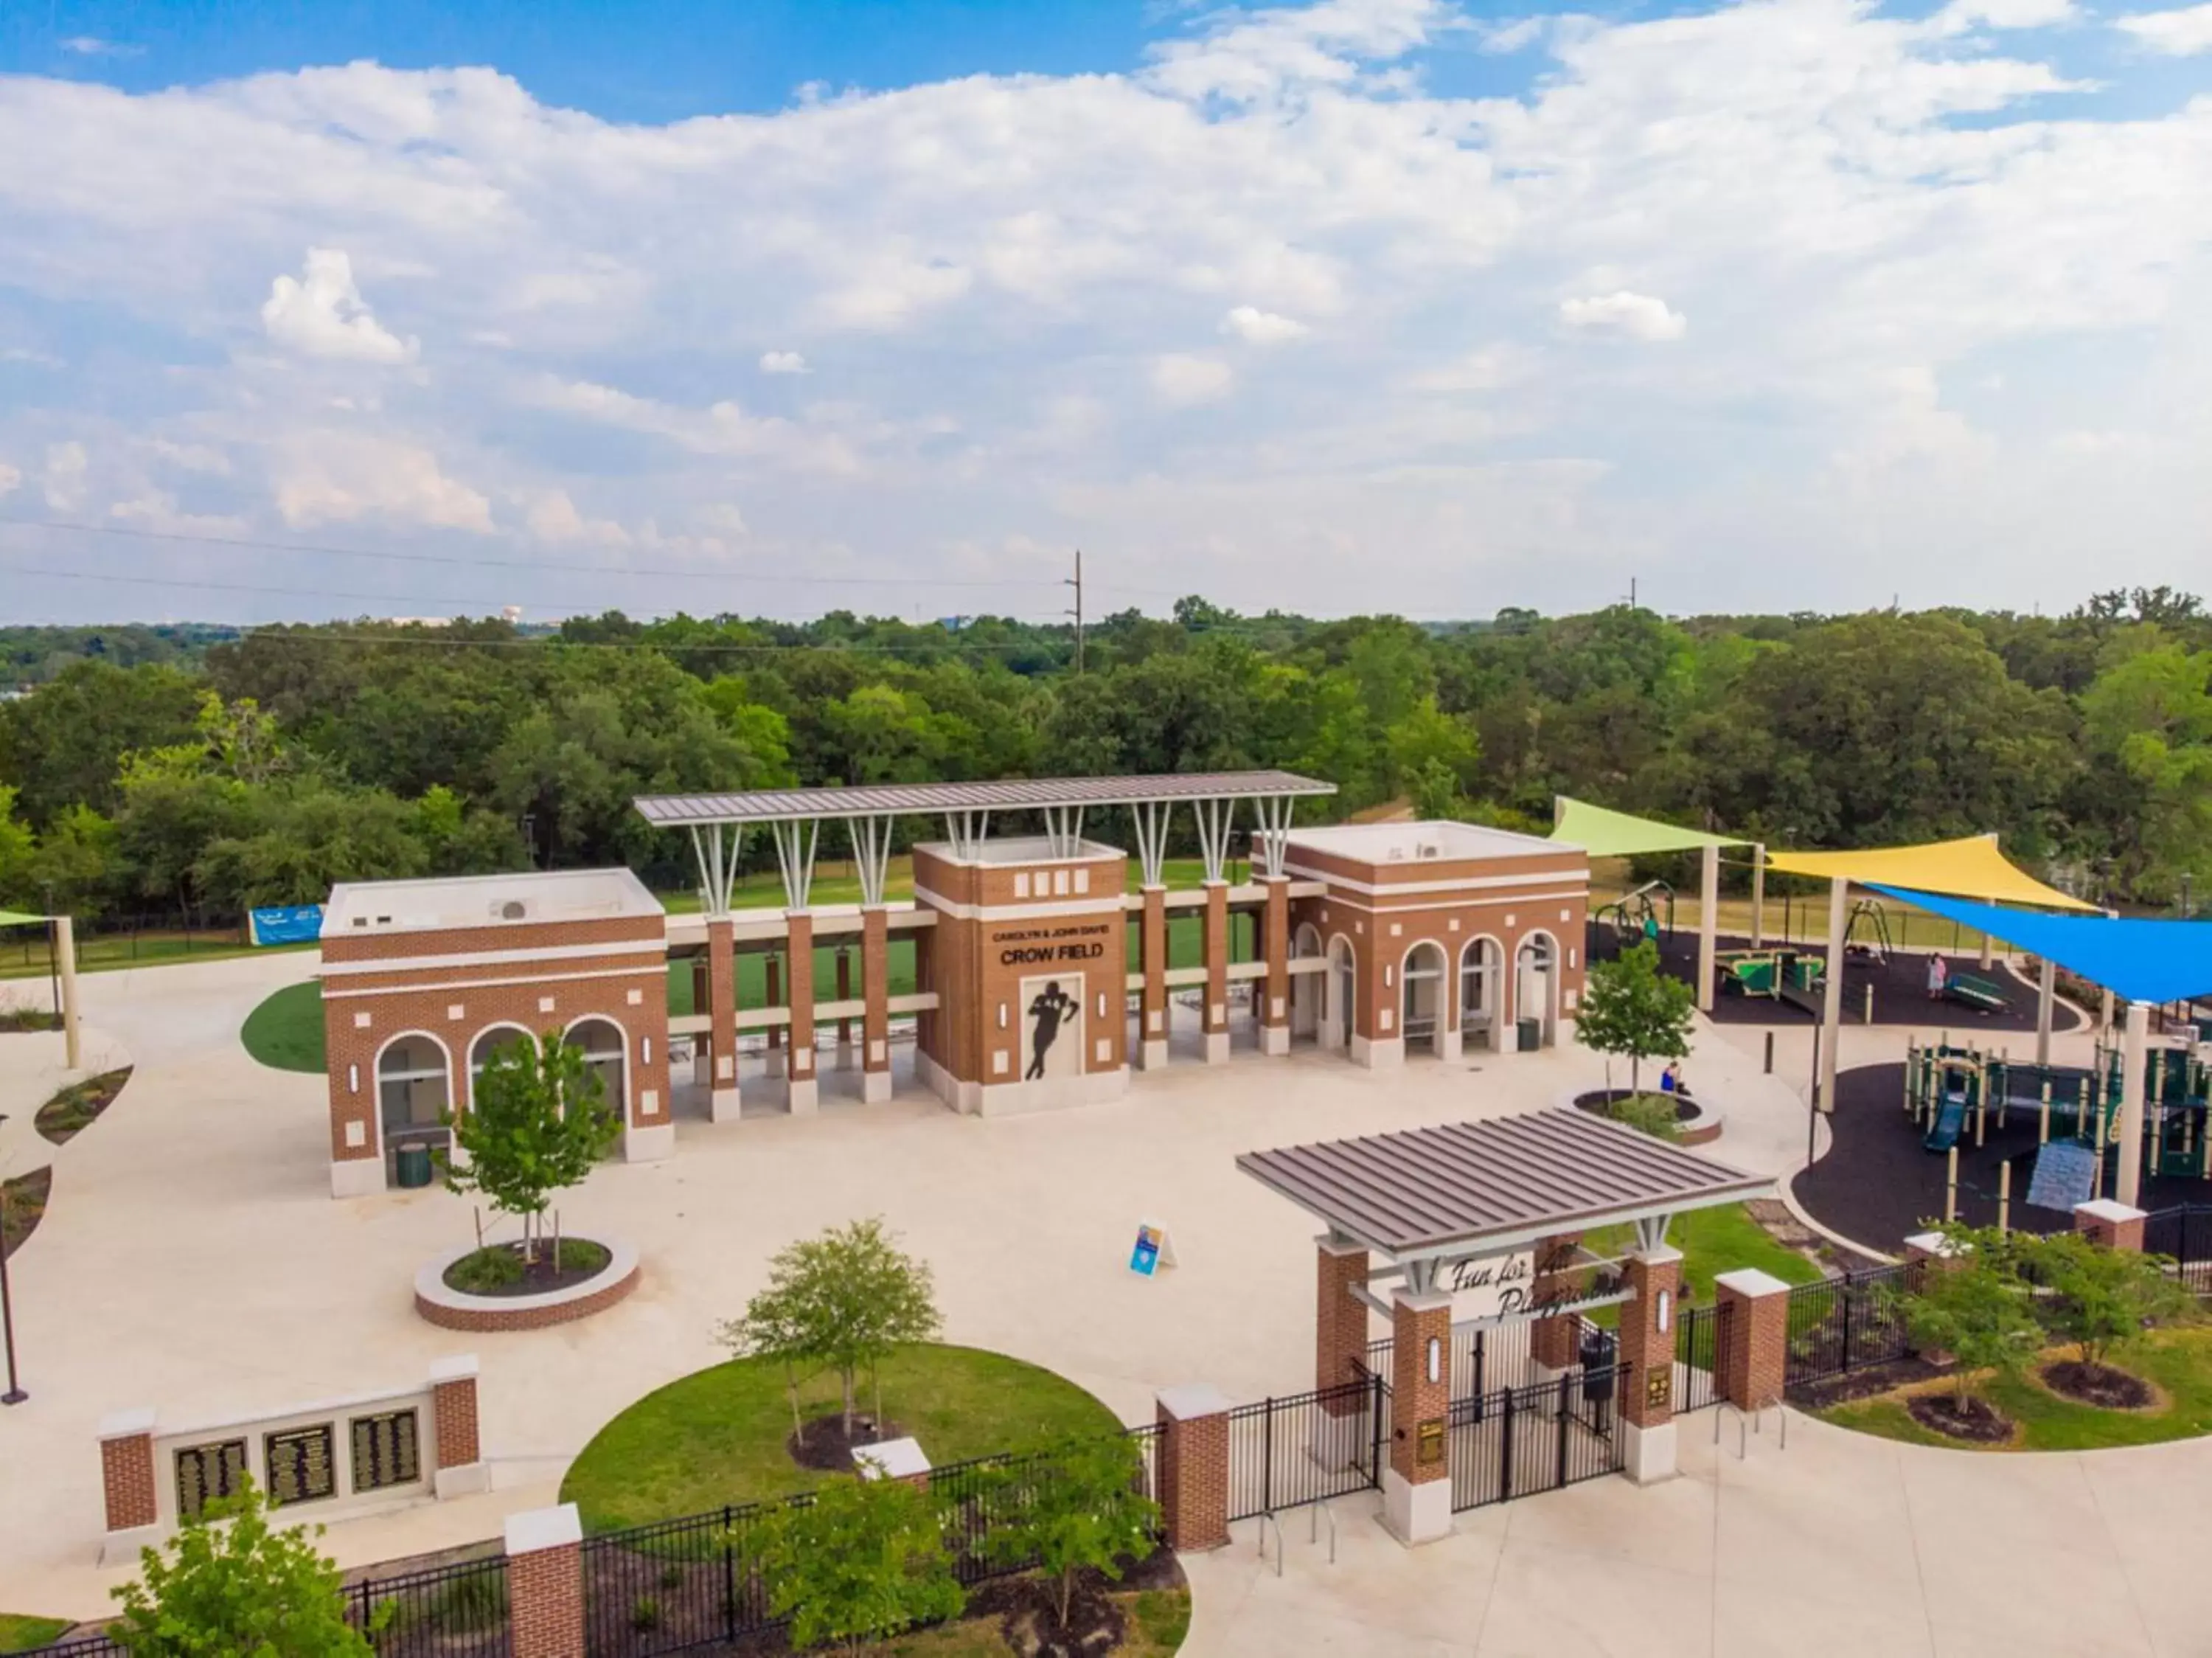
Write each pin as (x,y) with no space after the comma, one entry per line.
(513,910)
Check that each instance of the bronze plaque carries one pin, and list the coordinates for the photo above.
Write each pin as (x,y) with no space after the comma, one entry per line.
(1659,1385)
(385,1451)
(1429,1440)
(301,1462)
(207,1471)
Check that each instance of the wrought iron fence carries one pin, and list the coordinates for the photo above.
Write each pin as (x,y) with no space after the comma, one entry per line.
(81,1645)
(1284,1453)
(1519,1441)
(2184,1234)
(460,1609)
(1483,1357)
(1848,1323)
(1698,1336)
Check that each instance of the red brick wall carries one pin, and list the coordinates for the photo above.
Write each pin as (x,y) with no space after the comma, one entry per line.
(1553,1341)
(1215,931)
(453,1409)
(1649,1400)
(1750,1346)
(497,1317)
(1194,1475)
(1413,1397)
(1153,946)
(1275,946)
(127,1478)
(875,988)
(545,1603)
(1339,1322)
(800,956)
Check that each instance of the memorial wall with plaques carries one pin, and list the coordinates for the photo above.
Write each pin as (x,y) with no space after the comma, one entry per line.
(301,1464)
(207,1471)
(387,1450)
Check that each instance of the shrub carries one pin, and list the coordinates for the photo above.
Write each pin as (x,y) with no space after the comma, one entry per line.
(1972,1305)
(1647,1113)
(862,1561)
(2101,1299)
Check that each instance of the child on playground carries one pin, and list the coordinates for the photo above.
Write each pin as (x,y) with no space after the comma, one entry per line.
(1939,975)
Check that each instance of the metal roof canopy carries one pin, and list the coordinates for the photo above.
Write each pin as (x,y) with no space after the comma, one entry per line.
(930,799)
(1427,1195)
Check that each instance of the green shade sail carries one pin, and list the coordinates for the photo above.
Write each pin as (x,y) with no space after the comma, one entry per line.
(17,918)
(1605,834)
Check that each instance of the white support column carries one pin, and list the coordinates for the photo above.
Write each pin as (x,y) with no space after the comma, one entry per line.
(2047,995)
(1832,1001)
(65,953)
(1273,840)
(718,865)
(795,842)
(1151,824)
(2134,1058)
(1709,919)
(871,855)
(1759,896)
(1214,818)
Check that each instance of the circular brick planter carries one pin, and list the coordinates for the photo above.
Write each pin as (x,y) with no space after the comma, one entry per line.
(454,1309)
(1701,1127)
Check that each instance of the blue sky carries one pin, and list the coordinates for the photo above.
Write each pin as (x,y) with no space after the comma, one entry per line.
(315,310)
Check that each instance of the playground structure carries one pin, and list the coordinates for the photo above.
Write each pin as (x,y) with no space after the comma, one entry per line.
(1870,914)
(1637,915)
(1783,973)
(1946,1086)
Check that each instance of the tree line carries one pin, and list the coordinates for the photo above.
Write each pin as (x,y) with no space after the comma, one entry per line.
(206,774)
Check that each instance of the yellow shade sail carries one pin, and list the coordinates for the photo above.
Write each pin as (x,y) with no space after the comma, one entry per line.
(1970,867)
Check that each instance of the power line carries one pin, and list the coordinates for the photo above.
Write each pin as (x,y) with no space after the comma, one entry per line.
(253,543)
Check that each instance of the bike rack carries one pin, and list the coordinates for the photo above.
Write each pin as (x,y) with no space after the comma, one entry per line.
(1313,1528)
(1267,1520)
(1753,1421)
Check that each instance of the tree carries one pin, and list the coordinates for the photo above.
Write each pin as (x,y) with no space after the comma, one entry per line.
(537,1121)
(861,1562)
(777,1325)
(2101,1298)
(239,1590)
(1628,1007)
(1971,1305)
(1079,1507)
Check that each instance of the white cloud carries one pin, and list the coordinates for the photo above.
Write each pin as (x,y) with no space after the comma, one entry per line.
(1179,380)
(2178,34)
(720,428)
(335,477)
(553,517)
(65,476)
(9,478)
(91,46)
(1962,14)
(782,362)
(1259,327)
(321,314)
(1624,315)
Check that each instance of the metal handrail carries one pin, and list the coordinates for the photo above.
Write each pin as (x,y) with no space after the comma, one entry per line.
(1313,1528)
(1269,1519)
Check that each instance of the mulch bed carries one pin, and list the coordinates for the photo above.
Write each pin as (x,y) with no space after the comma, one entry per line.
(77,1107)
(1028,1609)
(1863,1384)
(26,1204)
(2100,1385)
(823,1444)
(1978,1422)
(539,1276)
(1901,985)
(1598,1101)
(1878,1186)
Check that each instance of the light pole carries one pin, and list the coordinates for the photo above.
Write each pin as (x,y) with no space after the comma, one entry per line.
(15,1395)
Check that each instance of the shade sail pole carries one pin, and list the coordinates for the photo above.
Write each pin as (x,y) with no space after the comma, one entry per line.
(1758,895)
(2046,994)
(2134,1056)
(1831,999)
(1709,914)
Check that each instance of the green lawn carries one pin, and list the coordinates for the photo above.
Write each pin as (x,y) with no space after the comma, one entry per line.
(286,1030)
(2178,1360)
(111,953)
(19,1633)
(1712,1241)
(717,1436)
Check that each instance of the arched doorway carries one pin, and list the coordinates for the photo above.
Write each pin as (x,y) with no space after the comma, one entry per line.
(605,1055)
(1306,988)
(1343,985)
(414,1088)
(1536,989)
(490,1041)
(1481,990)
(1421,997)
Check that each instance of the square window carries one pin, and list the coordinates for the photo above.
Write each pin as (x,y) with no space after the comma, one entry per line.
(1083,880)
(1059,883)
(1021,883)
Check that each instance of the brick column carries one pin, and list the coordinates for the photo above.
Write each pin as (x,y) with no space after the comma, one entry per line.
(1275,940)
(1216,939)
(1551,1341)
(722,1013)
(803,1087)
(1751,1336)
(126,1480)
(1339,1322)
(1152,1001)
(545,1583)
(1194,1465)
(772,996)
(875,992)
(1417,1485)
(2110,1224)
(1647,1348)
(459,1458)
(844,994)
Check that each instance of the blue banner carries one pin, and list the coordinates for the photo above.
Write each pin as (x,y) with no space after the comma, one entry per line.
(288,923)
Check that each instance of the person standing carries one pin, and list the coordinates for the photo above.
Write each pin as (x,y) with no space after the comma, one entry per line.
(1939,975)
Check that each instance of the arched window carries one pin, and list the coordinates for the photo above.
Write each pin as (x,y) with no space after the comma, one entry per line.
(1481,987)
(414,1087)
(1535,988)
(605,1052)
(1337,1021)
(490,1039)
(1422,982)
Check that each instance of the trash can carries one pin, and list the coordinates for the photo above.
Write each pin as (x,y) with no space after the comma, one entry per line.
(1597,1357)
(1528,1033)
(414,1162)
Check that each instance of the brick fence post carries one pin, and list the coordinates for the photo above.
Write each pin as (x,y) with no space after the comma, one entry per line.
(1417,1485)
(126,1480)
(2110,1224)
(545,1583)
(1751,1336)
(1647,1350)
(1194,1465)
(460,1465)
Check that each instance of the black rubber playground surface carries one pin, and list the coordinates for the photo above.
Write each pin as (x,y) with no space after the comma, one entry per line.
(1877,1186)
(1901,989)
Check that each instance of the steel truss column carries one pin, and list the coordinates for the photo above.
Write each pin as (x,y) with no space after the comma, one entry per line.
(871,855)
(795,855)
(1214,818)
(1151,820)
(1272,839)
(718,867)
(966,831)
(1063,830)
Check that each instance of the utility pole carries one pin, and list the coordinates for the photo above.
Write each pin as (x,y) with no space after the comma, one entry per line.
(1077,583)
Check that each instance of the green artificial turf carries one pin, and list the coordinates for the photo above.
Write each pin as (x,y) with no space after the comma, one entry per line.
(1712,1241)
(2178,1360)
(286,1030)
(718,1436)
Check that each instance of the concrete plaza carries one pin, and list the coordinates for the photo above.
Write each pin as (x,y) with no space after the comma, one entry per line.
(192,1261)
